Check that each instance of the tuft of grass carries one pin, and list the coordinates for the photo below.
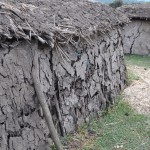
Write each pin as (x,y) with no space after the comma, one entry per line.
(137,60)
(121,127)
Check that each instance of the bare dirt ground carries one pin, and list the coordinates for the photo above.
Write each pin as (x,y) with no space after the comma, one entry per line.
(138,93)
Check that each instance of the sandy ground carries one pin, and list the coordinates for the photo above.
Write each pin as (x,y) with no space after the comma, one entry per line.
(138,93)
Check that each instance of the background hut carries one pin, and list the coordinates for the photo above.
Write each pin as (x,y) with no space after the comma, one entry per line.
(80,62)
(137,33)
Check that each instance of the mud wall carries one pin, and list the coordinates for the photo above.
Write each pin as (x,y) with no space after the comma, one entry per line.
(136,37)
(74,90)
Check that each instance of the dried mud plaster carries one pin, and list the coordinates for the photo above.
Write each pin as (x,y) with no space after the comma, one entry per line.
(136,37)
(74,91)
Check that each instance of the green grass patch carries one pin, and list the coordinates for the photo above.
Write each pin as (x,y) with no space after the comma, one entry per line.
(121,127)
(131,76)
(137,60)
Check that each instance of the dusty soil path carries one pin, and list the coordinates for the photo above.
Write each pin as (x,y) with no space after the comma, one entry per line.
(138,93)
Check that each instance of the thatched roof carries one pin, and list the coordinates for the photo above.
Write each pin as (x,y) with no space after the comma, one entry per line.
(56,20)
(136,11)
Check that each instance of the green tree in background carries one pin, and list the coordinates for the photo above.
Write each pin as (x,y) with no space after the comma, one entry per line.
(116,3)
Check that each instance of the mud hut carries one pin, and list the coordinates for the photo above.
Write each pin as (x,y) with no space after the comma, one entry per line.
(137,33)
(77,49)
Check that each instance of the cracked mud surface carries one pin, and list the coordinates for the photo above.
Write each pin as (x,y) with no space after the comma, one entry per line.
(136,38)
(89,84)
(138,93)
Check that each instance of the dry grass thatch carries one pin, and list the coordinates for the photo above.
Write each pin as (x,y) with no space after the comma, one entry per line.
(56,21)
(136,11)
